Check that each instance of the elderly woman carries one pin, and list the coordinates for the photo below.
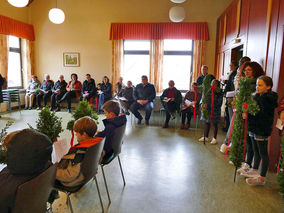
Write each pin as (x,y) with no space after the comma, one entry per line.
(31,92)
(45,91)
(58,90)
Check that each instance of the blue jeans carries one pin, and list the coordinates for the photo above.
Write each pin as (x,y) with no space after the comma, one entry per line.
(147,107)
(101,102)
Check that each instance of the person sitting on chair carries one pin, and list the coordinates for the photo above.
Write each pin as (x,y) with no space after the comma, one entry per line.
(171,100)
(119,86)
(88,88)
(68,171)
(125,97)
(105,92)
(45,91)
(144,95)
(113,120)
(28,155)
(31,92)
(58,90)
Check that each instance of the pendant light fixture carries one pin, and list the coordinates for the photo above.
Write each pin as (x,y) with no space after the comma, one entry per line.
(19,3)
(178,1)
(177,14)
(56,15)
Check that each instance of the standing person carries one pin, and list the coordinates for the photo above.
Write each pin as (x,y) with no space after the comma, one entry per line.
(171,100)
(125,97)
(144,95)
(88,88)
(58,90)
(34,84)
(204,72)
(2,80)
(187,109)
(45,91)
(216,118)
(260,128)
(119,86)
(73,91)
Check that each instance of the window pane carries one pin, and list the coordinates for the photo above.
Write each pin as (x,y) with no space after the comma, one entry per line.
(136,45)
(14,70)
(177,68)
(134,67)
(14,42)
(178,44)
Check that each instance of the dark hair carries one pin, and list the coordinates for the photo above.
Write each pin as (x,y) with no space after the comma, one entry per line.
(267,80)
(112,106)
(243,60)
(88,74)
(74,75)
(144,76)
(235,63)
(195,83)
(106,78)
(257,69)
(218,82)
(86,124)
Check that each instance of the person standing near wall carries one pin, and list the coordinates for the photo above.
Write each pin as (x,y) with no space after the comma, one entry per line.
(204,71)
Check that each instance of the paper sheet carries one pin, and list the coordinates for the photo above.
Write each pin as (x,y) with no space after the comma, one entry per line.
(60,148)
(279,124)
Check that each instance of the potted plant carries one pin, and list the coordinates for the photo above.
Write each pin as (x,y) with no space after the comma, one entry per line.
(3,150)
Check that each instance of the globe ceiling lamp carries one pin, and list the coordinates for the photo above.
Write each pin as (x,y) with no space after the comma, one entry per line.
(56,16)
(177,14)
(19,3)
(178,1)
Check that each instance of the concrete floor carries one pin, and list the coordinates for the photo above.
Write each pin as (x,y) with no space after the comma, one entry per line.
(166,171)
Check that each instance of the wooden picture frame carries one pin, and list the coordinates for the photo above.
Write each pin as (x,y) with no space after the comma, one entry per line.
(71,59)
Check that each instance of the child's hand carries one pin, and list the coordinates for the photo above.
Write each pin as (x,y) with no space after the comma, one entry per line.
(282,117)
(245,115)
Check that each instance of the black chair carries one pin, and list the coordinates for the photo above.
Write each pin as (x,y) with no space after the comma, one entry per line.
(89,169)
(117,143)
(32,196)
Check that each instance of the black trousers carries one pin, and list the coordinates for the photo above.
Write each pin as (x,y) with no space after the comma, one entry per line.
(68,97)
(186,113)
(170,108)
(249,151)
(54,98)
(260,149)
(44,97)
(207,129)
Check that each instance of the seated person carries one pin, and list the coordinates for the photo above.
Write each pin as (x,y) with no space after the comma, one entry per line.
(187,109)
(28,153)
(144,95)
(88,88)
(125,97)
(68,171)
(119,86)
(105,92)
(171,100)
(45,91)
(113,120)
(58,90)
(73,91)
(31,92)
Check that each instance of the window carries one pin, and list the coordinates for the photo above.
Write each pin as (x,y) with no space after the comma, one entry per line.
(178,55)
(15,77)
(136,60)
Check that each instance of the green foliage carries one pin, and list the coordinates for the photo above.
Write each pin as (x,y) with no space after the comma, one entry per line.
(3,150)
(81,110)
(49,124)
(244,96)
(280,176)
(37,90)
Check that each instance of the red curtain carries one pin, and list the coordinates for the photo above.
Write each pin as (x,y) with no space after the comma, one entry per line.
(159,31)
(16,28)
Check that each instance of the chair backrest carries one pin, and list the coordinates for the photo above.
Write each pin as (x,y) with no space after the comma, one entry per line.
(33,195)
(91,160)
(118,139)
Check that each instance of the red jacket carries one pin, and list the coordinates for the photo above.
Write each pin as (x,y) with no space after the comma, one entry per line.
(77,88)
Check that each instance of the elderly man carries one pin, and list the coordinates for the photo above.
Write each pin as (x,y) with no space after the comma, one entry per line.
(171,100)
(125,97)
(31,92)
(204,71)
(58,90)
(45,91)
(119,86)
(144,95)
(88,89)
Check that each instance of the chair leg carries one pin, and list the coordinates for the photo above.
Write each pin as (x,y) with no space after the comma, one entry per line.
(105,183)
(121,170)
(102,205)
(69,202)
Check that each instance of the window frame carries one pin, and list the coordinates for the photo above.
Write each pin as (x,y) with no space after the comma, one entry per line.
(17,50)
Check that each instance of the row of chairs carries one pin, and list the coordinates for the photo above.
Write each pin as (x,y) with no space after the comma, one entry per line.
(33,195)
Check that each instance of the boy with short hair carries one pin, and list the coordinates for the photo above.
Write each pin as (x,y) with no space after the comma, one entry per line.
(113,120)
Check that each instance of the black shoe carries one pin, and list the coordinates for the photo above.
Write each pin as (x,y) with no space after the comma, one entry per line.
(139,121)
(166,125)
(147,123)
(30,108)
(69,110)
(51,109)
(26,108)
(57,109)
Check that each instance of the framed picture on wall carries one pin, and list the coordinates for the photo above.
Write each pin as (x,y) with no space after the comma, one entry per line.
(71,59)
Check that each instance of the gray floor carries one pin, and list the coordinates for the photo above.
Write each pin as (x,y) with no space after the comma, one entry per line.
(166,171)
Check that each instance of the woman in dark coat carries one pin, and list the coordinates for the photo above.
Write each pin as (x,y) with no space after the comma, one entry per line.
(2,80)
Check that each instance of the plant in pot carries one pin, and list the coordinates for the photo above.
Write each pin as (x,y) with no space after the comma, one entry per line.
(3,150)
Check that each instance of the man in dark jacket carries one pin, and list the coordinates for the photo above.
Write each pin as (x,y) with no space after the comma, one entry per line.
(28,155)
(125,97)
(2,80)
(144,95)
(171,100)
(204,71)
(45,91)
(58,90)
(88,88)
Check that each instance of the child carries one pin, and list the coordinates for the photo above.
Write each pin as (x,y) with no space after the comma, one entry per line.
(68,171)
(187,109)
(113,120)
(216,118)
(260,127)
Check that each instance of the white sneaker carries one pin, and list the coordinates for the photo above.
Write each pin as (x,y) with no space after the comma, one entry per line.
(214,141)
(245,168)
(202,139)
(223,148)
(252,173)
